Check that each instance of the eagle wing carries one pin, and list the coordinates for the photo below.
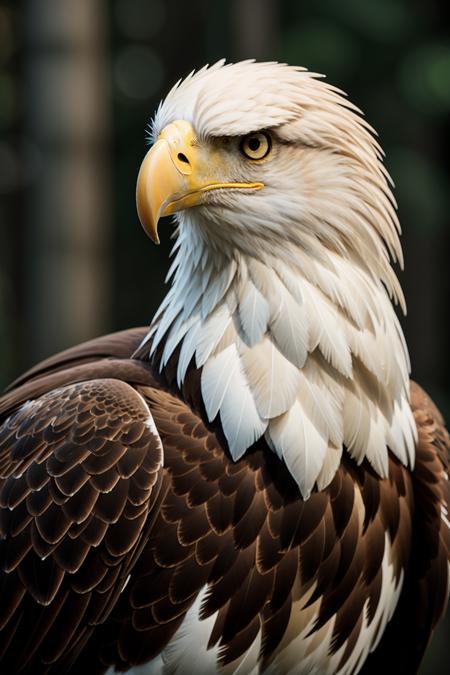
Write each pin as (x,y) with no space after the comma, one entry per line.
(80,469)
(425,592)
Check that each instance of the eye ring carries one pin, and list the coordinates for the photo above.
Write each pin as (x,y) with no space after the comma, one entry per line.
(256,145)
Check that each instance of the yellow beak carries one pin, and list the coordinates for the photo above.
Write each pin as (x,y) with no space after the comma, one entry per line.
(175,175)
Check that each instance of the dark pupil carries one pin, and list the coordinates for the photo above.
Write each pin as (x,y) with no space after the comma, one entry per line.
(254,144)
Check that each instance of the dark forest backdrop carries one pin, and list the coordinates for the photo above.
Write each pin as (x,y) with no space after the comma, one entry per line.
(79,81)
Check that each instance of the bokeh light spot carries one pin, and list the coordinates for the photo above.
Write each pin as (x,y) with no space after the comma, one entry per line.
(380,20)
(421,189)
(139,72)
(424,78)
(325,48)
(139,19)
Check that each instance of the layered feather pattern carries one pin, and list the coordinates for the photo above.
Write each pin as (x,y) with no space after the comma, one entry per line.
(314,366)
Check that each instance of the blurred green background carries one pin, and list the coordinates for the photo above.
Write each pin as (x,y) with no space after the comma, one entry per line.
(79,81)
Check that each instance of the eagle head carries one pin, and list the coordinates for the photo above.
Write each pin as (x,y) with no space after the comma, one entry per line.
(270,158)
(282,278)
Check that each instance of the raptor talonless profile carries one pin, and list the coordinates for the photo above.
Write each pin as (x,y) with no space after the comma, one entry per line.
(253,484)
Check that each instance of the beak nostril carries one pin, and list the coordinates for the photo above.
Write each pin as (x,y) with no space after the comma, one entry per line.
(183,158)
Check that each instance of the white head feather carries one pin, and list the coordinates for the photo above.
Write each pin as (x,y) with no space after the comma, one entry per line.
(282,296)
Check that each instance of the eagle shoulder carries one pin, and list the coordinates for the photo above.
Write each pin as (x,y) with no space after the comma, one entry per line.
(80,470)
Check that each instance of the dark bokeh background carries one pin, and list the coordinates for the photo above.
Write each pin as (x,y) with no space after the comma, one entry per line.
(79,81)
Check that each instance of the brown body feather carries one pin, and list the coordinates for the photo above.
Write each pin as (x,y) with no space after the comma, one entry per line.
(103,549)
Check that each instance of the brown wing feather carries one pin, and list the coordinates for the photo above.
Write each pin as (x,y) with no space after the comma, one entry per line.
(80,469)
(126,370)
(424,597)
(243,530)
(119,345)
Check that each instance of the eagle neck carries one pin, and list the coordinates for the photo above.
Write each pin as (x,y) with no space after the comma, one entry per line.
(307,353)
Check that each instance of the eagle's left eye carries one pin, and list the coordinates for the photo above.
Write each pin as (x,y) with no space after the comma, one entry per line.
(256,145)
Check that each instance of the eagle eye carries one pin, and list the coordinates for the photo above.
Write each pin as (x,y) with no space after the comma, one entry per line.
(256,145)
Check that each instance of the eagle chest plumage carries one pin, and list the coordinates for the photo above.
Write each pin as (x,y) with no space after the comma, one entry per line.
(253,484)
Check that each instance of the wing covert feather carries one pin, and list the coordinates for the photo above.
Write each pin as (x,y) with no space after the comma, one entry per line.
(424,598)
(80,470)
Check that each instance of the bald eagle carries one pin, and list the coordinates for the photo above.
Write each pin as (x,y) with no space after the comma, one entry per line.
(253,485)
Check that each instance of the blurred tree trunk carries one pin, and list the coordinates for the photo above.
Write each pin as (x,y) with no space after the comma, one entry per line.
(255,29)
(67,214)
